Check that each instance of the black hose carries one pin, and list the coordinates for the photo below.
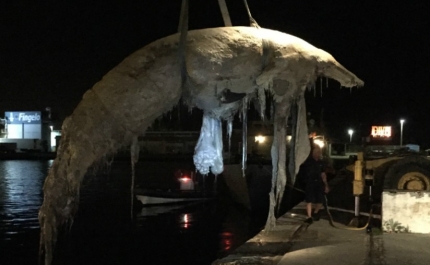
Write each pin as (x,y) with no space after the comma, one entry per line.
(330,219)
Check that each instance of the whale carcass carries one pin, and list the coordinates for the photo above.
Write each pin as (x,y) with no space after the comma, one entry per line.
(224,68)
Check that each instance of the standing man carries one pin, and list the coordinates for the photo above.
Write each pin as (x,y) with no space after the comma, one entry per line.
(315,180)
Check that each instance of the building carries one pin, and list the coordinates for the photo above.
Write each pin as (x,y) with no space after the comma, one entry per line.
(22,131)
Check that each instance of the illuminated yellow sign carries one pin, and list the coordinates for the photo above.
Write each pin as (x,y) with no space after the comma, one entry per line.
(381,131)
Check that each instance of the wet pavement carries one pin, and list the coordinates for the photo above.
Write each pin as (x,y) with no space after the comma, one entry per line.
(295,242)
(268,248)
(323,244)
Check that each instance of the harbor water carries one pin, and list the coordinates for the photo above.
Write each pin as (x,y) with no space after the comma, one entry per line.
(107,231)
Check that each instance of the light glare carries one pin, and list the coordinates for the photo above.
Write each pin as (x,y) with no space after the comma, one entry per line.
(319,142)
(260,139)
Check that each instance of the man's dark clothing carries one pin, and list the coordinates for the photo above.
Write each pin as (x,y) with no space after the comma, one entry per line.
(310,177)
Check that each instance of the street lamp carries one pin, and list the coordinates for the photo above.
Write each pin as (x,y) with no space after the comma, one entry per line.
(350,132)
(401,131)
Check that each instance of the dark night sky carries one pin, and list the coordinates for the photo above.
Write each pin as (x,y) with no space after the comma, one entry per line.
(52,51)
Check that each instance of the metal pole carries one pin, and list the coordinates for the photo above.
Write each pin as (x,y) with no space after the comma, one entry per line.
(357,206)
(134,153)
(370,194)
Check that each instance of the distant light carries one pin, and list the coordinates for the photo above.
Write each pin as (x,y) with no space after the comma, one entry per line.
(319,142)
(350,132)
(52,127)
(54,135)
(401,131)
(381,132)
(260,139)
(185,179)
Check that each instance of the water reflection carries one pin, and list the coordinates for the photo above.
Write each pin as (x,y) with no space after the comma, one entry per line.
(21,185)
(227,241)
(102,230)
(186,220)
(21,195)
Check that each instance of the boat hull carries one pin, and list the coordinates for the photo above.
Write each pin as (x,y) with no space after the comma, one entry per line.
(155,197)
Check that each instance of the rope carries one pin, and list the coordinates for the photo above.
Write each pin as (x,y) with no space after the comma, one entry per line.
(252,21)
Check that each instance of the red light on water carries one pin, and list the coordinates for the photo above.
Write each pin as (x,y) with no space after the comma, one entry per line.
(226,240)
(227,244)
(185,221)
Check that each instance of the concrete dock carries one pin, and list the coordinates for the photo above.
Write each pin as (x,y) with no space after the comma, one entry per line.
(295,242)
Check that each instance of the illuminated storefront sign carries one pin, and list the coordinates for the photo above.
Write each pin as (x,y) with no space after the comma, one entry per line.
(381,132)
(19,117)
(24,124)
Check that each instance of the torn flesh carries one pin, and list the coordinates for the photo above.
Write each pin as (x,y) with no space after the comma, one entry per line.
(229,132)
(208,152)
(148,83)
(244,134)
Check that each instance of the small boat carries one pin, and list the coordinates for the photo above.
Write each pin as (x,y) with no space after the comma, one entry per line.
(154,197)
(185,194)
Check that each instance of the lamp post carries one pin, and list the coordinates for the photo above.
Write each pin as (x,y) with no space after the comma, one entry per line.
(401,131)
(350,132)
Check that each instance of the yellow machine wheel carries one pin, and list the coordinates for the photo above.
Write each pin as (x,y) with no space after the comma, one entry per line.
(411,173)
(414,181)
